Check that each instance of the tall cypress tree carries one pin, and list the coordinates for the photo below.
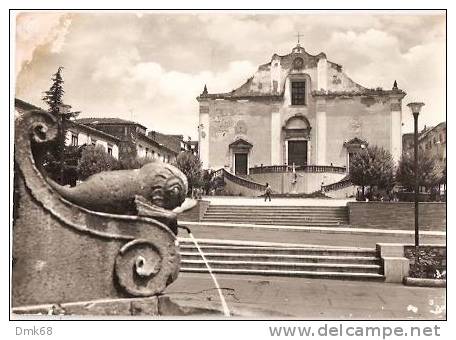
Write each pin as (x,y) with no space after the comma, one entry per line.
(53,96)
(54,162)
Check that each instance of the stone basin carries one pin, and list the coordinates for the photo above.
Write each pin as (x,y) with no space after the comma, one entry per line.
(163,306)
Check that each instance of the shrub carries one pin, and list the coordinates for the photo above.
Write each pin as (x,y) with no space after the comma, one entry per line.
(95,159)
(191,166)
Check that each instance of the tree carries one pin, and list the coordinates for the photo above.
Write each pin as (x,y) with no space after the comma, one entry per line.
(192,167)
(373,167)
(133,162)
(54,161)
(53,97)
(429,173)
(95,159)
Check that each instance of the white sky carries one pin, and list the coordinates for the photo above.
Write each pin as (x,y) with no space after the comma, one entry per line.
(150,67)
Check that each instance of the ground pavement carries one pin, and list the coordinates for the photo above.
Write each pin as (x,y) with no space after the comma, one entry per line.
(308,236)
(314,298)
(279,201)
(334,236)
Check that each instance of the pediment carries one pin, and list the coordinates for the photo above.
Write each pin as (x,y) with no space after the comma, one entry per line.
(240,144)
(356,141)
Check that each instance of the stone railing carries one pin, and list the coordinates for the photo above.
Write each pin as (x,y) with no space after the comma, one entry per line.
(241,181)
(301,168)
(344,183)
(63,252)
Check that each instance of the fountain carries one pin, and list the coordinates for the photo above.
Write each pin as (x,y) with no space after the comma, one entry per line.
(106,247)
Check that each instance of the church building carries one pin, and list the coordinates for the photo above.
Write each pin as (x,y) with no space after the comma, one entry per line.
(299,109)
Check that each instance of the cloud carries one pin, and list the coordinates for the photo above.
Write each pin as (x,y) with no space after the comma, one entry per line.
(377,59)
(36,30)
(159,98)
(154,65)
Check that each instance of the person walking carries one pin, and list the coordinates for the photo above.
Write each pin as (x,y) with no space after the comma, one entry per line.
(267,192)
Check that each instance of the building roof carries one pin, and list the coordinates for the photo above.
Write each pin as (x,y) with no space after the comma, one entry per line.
(171,142)
(161,145)
(428,131)
(107,121)
(95,131)
(20,104)
(23,105)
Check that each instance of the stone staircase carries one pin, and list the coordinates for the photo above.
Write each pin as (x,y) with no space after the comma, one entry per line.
(231,257)
(278,215)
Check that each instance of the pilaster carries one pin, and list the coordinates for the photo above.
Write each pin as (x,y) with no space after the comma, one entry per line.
(321,132)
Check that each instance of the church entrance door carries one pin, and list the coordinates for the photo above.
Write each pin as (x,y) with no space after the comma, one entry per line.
(297,152)
(240,163)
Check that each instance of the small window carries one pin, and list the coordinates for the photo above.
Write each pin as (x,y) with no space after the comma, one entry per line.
(298,93)
(109,149)
(94,142)
(74,140)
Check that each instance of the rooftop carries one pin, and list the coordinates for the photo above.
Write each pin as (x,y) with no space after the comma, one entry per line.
(172,142)
(107,121)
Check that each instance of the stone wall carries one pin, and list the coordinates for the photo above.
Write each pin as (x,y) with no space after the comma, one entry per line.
(196,213)
(234,189)
(230,120)
(397,215)
(365,118)
(306,182)
(346,192)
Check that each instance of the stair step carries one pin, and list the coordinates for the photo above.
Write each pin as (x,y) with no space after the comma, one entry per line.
(229,249)
(262,206)
(269,208)
(279,222)
(308,266)
(237,213)
(296,273)
(275,218)
(264,257)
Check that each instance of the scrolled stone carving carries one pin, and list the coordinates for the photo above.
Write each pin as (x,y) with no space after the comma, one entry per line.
(144,268)
(65,249)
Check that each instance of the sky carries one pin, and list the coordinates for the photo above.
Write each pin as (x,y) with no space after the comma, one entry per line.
(150,67)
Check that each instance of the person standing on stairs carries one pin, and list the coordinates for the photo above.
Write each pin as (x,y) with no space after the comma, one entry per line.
(267,192)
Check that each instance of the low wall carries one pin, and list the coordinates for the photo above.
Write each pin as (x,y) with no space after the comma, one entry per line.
(397,215)
(306,182)
(234,189)
(346,192)
(196,213)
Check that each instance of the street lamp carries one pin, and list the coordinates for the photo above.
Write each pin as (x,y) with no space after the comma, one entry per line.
(416,108)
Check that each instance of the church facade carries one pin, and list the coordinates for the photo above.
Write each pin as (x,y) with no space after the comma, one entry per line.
(299,109)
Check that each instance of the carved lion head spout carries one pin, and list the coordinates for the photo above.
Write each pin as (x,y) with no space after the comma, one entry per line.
(163,185)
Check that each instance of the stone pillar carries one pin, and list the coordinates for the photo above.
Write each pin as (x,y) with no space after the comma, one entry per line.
(322,74)
(275,138)
(203,139)
(321,132)
(395,264)
(396,133)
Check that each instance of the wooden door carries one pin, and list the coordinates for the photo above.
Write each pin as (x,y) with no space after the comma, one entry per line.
(297,152)
(240,163)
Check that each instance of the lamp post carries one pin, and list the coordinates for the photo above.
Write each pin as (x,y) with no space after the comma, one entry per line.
(416,108)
